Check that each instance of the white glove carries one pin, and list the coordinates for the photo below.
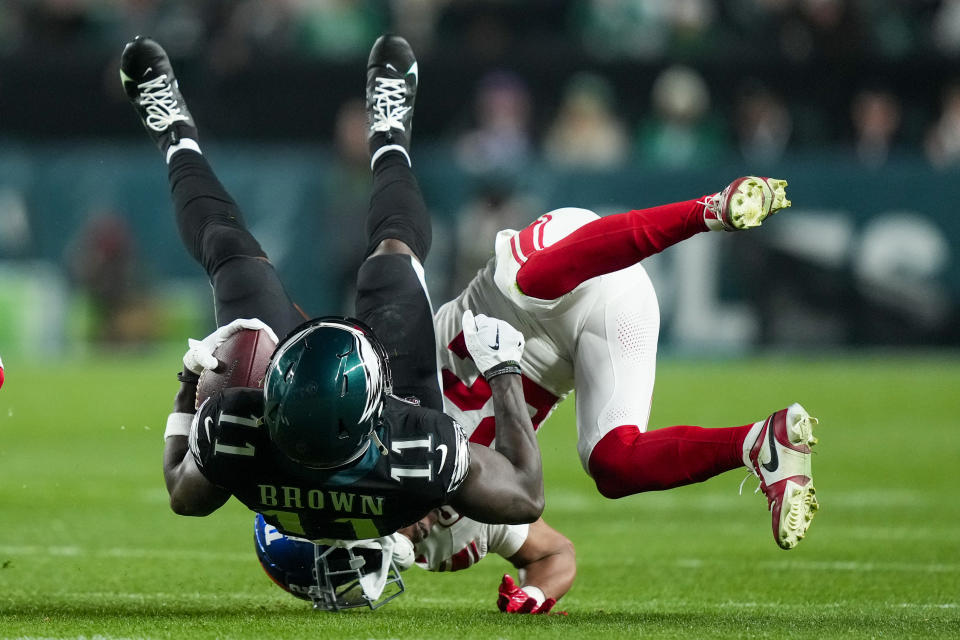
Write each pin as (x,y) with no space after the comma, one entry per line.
(200,356)
(403,553)
(491,342)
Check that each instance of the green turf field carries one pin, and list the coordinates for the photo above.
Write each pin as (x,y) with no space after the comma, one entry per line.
(89,548)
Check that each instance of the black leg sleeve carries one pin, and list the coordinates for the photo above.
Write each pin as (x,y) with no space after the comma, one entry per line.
(245,284)
(397,210)
(391,299)
(210,223)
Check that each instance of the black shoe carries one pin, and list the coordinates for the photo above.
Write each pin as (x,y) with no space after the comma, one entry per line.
(148,79)
(392,78)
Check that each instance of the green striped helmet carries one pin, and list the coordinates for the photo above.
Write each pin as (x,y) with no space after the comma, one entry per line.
(324,392)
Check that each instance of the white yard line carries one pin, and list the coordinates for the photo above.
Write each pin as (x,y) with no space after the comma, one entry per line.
(713,501)
(93,637)
(126,552)
(661,605)
(162,596)
(683,563)
(830,565)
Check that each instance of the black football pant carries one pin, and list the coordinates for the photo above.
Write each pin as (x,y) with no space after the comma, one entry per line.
(391,295)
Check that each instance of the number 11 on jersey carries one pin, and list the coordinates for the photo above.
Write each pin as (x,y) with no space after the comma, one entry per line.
(424,471)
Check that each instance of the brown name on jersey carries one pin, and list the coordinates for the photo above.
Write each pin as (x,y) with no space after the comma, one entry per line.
(300,498)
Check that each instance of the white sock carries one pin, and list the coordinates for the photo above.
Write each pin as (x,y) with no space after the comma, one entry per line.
(534,592)
(389,147)
(185,143)
(749,441)
(712,223)
(710,220)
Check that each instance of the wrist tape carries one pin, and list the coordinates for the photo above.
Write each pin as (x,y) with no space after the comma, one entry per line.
(509,366)
(178,424)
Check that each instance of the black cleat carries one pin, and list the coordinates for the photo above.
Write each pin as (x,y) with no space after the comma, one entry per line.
(148,79)
(392,78)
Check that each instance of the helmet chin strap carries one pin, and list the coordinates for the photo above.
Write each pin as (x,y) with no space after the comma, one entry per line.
(374,582)
(378,442)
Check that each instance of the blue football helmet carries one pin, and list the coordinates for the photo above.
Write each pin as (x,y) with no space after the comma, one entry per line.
(331,577)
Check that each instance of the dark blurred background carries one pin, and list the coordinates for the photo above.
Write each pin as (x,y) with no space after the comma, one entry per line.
(524,106)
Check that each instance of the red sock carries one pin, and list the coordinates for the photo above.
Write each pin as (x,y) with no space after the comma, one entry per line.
(628,461)
(606,245)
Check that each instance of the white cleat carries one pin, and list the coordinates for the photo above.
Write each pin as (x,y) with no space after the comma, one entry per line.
(781,459)
(745,203)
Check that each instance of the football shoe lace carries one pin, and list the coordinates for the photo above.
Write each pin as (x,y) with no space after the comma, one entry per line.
(388,107)
(160,104)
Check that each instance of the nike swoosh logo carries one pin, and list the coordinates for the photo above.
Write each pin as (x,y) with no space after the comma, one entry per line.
(206,426)
(442,448)
(496,344)
(774,462)
(124,77)
(414,71)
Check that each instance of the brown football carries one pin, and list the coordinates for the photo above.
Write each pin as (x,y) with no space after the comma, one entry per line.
(243,363)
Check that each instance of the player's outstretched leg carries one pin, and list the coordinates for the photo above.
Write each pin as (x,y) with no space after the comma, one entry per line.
(616,242)
(211,226)
(627,461)
(391,293)
(780,456)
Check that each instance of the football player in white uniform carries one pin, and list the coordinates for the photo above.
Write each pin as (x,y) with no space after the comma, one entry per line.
(572,282)
(544,558)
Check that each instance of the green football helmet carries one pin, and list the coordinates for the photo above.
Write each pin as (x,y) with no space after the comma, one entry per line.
(324,391)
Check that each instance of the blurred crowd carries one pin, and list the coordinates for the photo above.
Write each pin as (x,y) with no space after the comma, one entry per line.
(799,29)
(589,83)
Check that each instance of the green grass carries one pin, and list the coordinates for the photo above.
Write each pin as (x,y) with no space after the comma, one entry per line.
(88,546)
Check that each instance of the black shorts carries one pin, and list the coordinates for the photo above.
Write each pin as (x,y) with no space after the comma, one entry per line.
(392,300)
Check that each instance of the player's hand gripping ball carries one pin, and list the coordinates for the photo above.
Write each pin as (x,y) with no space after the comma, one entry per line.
(235,355)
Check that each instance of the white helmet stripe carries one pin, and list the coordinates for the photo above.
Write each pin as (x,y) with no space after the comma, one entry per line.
(373,374)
